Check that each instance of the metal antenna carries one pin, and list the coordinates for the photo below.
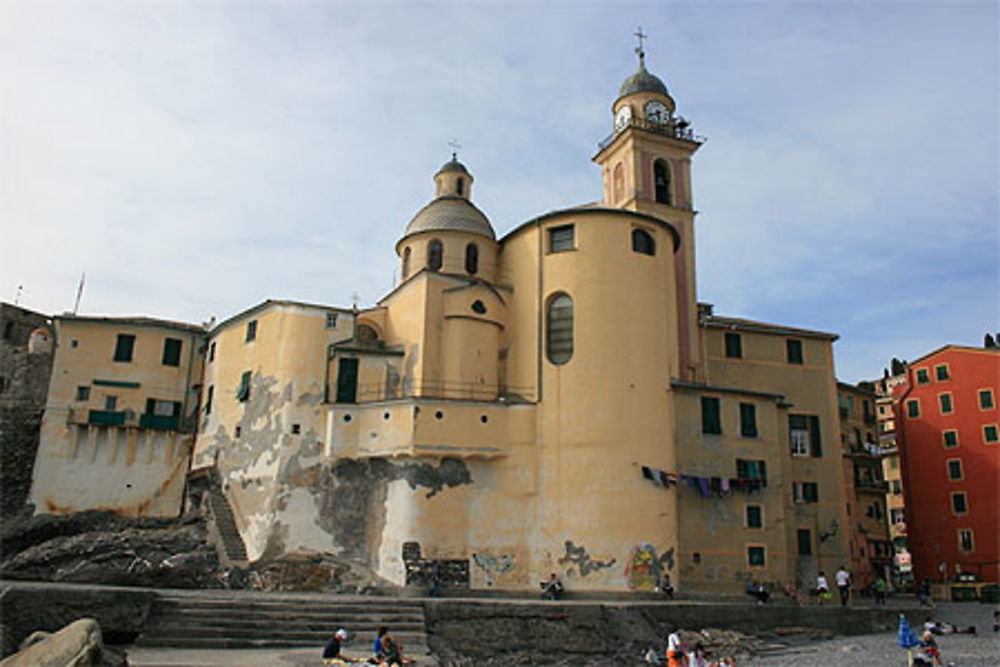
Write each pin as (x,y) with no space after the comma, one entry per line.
(642,54)
(18,297)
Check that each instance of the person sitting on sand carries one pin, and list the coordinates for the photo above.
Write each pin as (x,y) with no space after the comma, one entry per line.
(553,588)
(331,652)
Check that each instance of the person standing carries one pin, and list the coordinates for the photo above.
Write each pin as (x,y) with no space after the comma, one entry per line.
(675,650)
(822,587)
(844,585)
(879,589)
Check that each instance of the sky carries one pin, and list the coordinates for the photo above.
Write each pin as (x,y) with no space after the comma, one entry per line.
(194,158)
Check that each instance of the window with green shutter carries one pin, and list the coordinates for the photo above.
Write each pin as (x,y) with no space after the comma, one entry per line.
(941,373)
(946,407)
(711,417)
(923,377)
(755,517)
(815,436)
(793,348)
(986,399)
(243,391)
(124,346)
(172,352)
(734,346)
(805,541)
(756,556)
(748,420)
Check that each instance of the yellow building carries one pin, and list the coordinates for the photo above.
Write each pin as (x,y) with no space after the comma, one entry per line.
(554,400)
(871,547)
(119,420)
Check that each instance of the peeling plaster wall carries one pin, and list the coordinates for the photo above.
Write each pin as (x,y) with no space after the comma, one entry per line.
(270,448)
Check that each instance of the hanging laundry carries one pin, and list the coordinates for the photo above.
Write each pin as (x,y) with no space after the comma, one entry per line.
(664,478)
(703,487)
(725,484)
(715,484)
(652,474)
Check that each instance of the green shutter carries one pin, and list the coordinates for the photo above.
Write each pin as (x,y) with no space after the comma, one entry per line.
(815,441)
(711,420)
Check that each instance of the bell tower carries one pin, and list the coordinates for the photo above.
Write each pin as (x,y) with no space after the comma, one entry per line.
(646,167)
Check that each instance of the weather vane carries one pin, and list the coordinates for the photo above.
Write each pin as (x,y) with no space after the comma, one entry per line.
(455,148)
(642,54)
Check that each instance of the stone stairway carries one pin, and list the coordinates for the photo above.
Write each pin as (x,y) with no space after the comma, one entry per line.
(236,619)
(225,524)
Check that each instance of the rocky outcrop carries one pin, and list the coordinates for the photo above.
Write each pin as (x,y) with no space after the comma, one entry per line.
(79,644)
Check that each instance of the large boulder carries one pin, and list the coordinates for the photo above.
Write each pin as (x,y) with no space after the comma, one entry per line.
(79,644)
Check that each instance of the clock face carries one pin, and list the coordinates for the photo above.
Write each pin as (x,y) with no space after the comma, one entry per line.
(656,112)
(623,117)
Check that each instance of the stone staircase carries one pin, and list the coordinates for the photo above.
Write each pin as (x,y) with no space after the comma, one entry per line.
(238,619)
(225,525)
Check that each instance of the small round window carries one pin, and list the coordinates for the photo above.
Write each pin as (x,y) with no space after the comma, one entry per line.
(478,307)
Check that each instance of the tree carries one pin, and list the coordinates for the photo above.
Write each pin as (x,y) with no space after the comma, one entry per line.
(989,341)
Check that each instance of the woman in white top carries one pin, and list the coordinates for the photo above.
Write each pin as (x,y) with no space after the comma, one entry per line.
(822,588)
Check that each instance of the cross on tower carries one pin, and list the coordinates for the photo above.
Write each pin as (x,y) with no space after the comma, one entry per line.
(456,147)
(642,54)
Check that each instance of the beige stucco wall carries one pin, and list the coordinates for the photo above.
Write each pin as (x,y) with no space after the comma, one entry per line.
(124,468)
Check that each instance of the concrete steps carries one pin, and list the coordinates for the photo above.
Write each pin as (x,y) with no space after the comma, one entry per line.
(234,621)
(222,513)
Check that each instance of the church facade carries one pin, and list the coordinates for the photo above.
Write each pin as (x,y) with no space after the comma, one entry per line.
(554,400)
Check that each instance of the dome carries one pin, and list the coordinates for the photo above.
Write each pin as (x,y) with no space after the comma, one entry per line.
(451,214)
(453,165)
(642,82)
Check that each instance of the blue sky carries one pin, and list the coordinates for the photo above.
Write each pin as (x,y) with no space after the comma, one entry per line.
(194,158)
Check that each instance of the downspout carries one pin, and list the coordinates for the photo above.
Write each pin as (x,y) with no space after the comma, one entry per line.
(187,390)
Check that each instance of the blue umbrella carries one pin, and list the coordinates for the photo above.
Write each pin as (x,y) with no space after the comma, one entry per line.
(907,639)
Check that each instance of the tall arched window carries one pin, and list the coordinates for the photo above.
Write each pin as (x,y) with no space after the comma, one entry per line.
(460,186)
(559,330)
(435,255)
(618,183)
(642,242)
(661,180)
(471,258)
(406,262)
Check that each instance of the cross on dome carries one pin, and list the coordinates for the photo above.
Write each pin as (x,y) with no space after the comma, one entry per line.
(639,50)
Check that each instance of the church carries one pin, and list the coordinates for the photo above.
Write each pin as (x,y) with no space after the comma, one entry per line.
(553,400)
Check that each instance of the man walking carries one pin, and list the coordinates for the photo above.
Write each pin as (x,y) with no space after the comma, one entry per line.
(844,584)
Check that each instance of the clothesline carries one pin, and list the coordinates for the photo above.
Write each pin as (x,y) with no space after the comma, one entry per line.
(706,486)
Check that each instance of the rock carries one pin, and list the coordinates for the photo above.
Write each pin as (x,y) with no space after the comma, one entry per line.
(79,644)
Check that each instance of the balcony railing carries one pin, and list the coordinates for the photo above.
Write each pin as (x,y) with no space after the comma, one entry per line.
(159,422)
(461,391)
(675,129)
(106,417)
(872,485)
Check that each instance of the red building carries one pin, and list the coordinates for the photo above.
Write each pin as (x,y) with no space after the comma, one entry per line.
(947,432)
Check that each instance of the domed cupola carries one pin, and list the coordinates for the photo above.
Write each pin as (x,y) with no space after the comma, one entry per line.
(451,210)
(643,99)
(450,234)
(643,82)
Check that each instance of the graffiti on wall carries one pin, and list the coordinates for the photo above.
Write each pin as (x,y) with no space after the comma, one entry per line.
(493,566)
(443,572)
(645,569)
(580,561)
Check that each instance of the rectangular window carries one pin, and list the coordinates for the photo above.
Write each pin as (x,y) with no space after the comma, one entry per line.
(251,330)
(798,434)
(711,420)
(561,238)
(161,408)
(110,403)
(243,391)
(950,438)
(748,420)
(211,352)
(945,401)
(755,516)
(990,433)
(172,352)
(897,487)
(941,373)
(734,346)
(805,492)
(331,320)
(123,347)
(954,469)
(755,556)
(965,540)
(923,377)
(986,399)
(209,395)
(959,503)
(83,393)
(913,408)
(751,470)
(805,541)
(793,348)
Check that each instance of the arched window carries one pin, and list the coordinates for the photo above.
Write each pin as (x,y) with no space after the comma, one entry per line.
(460,185)
(661,180)
(406,262)
(618,187)
(435,255)
(471,258)
(642,242)
(559,332)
